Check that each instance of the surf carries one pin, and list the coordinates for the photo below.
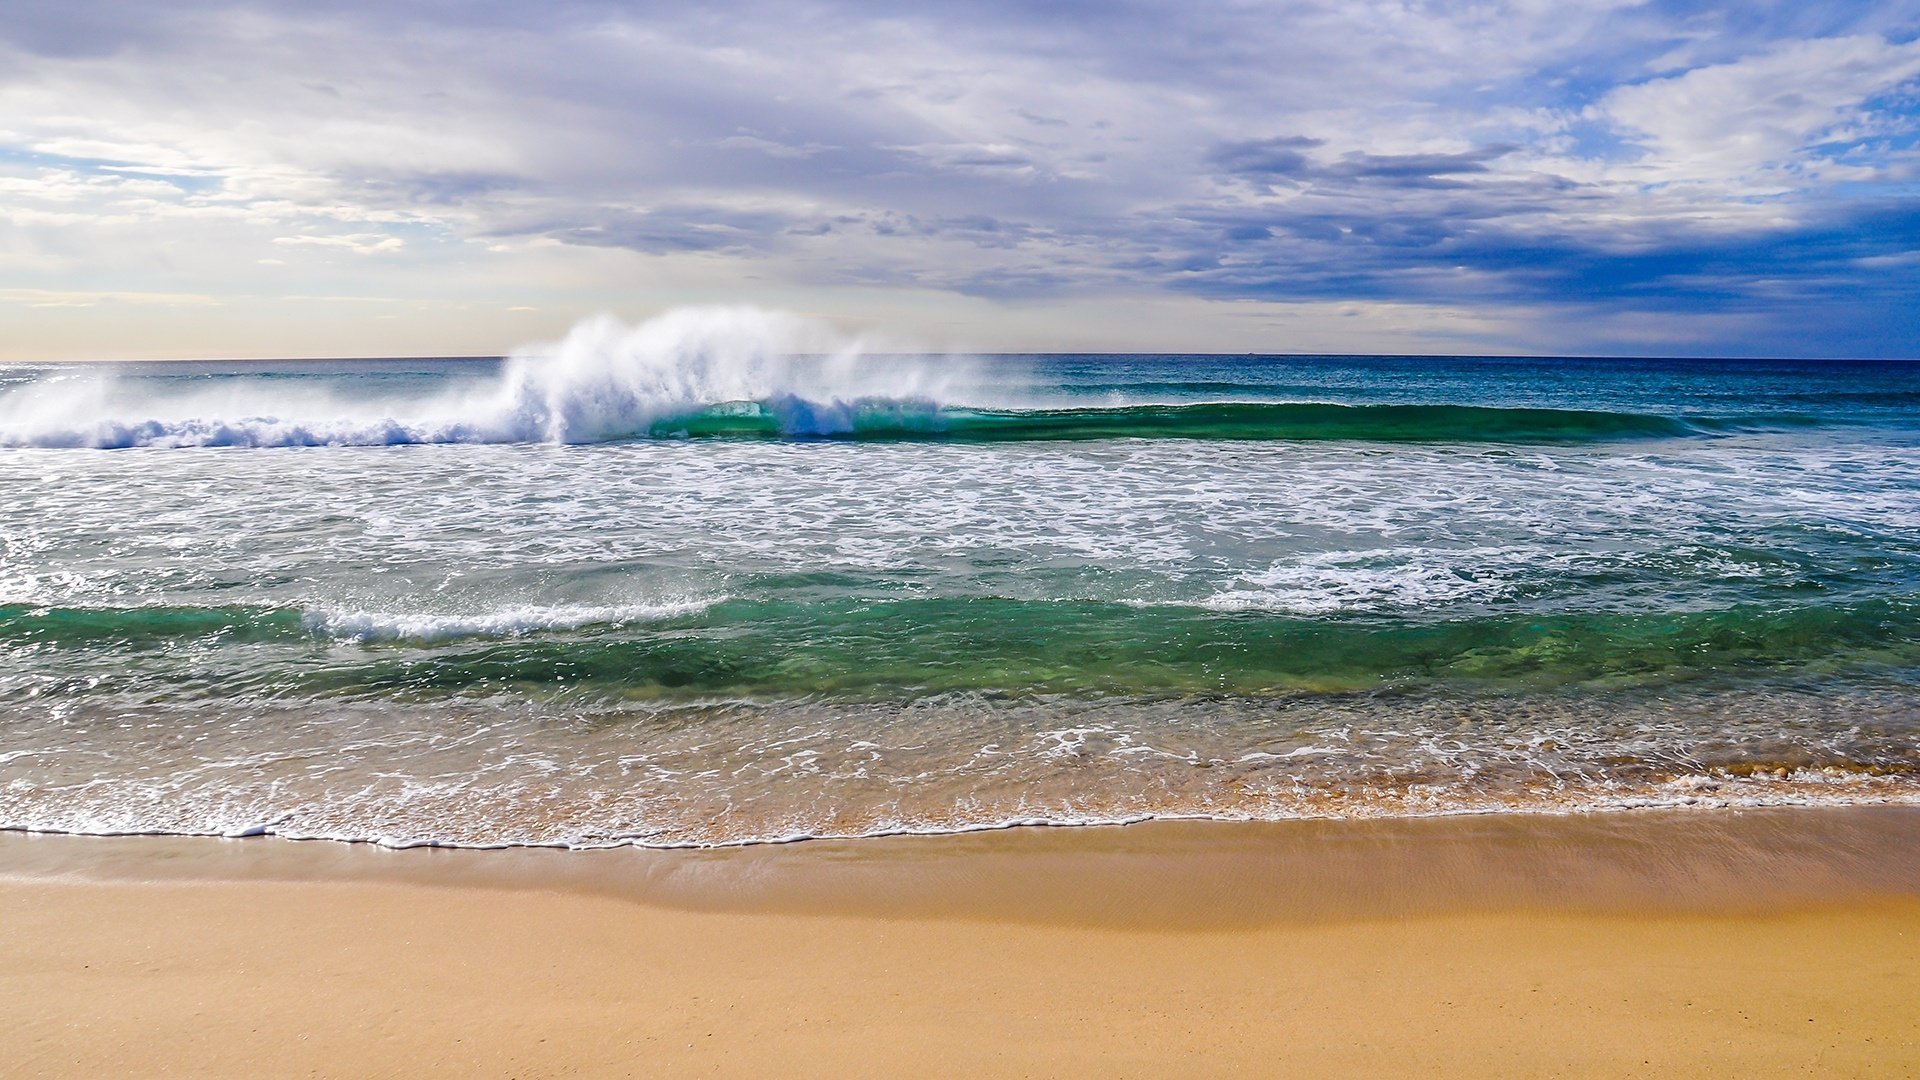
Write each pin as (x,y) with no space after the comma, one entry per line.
(606,380)
(739,373)
(901,650)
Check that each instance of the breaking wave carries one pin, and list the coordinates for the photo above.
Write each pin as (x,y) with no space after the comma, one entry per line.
(734,373)
(359,625)
(160,625)
(606,380)
(861,650)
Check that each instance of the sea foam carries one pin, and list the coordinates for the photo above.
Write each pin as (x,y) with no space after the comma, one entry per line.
(605,380)
(360,625)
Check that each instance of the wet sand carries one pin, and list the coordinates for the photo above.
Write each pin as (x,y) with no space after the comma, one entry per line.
(1709,943)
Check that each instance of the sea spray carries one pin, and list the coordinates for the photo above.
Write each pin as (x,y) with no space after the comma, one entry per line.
(605,380)
(750,373)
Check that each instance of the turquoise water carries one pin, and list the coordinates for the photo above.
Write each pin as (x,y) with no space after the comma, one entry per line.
(713,593)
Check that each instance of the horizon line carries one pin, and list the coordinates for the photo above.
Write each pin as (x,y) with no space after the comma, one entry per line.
(1035,354)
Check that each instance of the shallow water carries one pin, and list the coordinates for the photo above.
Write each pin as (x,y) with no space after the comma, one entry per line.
(679,586)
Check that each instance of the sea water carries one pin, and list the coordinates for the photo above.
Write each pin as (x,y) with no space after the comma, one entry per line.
(726,577)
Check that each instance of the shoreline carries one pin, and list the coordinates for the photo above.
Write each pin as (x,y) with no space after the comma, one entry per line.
(1734,943)
(1177,871)
(1705,798)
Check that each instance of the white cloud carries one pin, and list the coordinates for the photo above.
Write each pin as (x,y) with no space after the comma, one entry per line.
(1449,156)
(64,298)
(358,243)
(1762,113)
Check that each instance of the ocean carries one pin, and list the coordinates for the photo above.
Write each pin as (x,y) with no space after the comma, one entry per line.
(724,578)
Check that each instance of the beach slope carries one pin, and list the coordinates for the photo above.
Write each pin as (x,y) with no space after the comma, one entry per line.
(429,966)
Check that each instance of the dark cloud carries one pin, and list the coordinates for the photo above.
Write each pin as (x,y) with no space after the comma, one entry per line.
(1862,257)
(1290,158)
(1416,167)
(1285,156)
(1298,150)
(673,229)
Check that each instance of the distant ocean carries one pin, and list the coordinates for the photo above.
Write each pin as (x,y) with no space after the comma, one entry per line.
(680,585)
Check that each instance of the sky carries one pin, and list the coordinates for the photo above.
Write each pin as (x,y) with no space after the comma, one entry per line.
(370,177)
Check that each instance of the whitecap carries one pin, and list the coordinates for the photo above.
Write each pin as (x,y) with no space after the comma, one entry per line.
(605,380)
(364,625)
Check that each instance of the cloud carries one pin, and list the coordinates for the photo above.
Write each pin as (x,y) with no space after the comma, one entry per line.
(1282,155)
(1607,157)
(67,298)
(358,243)
(1762,113)
(1288,158)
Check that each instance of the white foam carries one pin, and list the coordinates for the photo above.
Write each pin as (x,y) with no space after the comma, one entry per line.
(605,380)
(1879,791)
(1323,583)
(608,379)
(360,625)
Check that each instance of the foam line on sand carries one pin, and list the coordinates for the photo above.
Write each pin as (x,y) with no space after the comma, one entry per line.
(1141,951)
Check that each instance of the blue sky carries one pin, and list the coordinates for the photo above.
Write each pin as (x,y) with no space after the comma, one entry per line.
(368,178)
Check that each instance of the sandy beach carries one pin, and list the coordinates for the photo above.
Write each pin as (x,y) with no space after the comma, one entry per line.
(832,540)
(1768,943)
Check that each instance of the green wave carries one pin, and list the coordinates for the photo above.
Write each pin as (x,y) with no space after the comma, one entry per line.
(902,649)
(907,649)
(150,625)
(887,419)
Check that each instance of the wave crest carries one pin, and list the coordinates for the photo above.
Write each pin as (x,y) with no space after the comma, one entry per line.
(605,380)
(509,622)
(720,372)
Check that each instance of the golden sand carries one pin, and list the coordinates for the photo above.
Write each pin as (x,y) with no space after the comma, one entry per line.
(1030,955)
